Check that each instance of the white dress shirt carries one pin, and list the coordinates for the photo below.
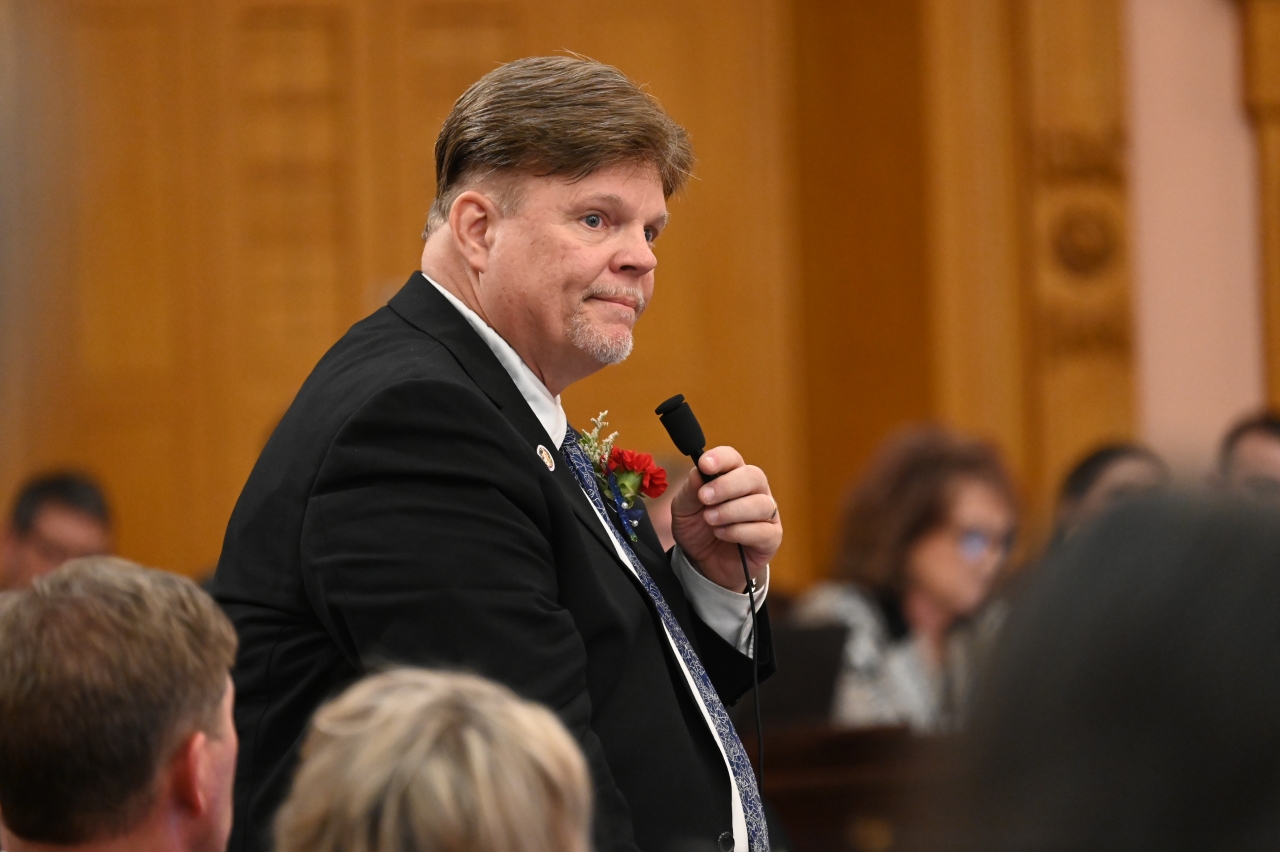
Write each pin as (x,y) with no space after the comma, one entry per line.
(724,611)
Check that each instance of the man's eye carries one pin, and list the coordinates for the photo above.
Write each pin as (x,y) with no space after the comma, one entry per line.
(650,234)
(593,220)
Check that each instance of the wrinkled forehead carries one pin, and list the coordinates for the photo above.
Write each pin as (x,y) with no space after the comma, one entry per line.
(634,189)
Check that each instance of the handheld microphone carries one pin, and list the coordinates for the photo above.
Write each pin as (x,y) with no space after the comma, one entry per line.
(686,434)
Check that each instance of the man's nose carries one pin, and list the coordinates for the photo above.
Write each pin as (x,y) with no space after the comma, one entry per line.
(635,256)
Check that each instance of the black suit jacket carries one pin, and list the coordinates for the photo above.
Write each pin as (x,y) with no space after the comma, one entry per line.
(401,514)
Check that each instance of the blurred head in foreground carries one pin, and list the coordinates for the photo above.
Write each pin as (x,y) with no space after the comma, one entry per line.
(1134,703)
(56,517)
(436,762)
(1104,477)
(1249,458)
(116,697)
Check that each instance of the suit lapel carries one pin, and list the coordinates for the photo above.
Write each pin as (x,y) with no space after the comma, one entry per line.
(421,305)
(584,510)
(647,549)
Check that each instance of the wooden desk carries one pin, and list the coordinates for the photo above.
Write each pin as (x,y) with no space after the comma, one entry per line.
(838,790)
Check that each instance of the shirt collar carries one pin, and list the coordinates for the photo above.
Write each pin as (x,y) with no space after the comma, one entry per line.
(546,408)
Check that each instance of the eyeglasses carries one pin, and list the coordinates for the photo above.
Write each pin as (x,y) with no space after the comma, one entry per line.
(975,543)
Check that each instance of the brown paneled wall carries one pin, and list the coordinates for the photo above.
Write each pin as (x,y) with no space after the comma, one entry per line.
(240,181)
(860,137)
(201,197)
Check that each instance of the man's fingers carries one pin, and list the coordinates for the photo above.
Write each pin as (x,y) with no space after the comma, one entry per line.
(763,537)
(754,507)
(739,482)
(719,460)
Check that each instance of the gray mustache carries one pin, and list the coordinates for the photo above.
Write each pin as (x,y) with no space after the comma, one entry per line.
(614,292)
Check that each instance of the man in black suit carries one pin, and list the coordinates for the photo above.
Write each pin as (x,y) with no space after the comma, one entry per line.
(423,501)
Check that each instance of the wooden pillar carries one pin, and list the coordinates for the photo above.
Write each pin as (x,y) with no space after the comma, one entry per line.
(1030,279)
(1079,320)
(1262,82)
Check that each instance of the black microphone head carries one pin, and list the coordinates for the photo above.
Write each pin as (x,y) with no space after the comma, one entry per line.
(682,426)
(669,405)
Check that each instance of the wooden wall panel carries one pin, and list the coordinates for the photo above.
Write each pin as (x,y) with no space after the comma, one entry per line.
(293,272)
(974,251)
(112,391)
(868,345)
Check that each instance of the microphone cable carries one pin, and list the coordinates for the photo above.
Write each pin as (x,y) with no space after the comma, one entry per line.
(755,668)
(686,433)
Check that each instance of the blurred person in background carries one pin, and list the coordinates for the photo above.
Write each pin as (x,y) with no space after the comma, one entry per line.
(1109,474)
(1132,701)
(1249,458)
(55,517)
(116,699)
(926,532)
(427,760)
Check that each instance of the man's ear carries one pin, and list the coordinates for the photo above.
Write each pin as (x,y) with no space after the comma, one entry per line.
(472,220)
(188,774)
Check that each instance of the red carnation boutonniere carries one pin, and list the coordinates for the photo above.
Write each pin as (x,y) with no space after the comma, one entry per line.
(636,474)
(623,475)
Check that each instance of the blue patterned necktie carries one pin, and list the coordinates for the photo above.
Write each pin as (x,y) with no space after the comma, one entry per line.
(739,764)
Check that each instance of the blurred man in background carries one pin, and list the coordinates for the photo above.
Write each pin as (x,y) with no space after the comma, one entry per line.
(116,697)
(1249,460)
(56,517)
(1106,476)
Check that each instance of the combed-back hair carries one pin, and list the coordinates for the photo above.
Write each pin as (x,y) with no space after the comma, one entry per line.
(1131,703)
(71,489)
(905,493)
(566,116)
(436,762)
(105,668)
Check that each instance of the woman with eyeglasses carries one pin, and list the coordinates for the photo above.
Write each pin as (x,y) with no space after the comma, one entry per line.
(926,532)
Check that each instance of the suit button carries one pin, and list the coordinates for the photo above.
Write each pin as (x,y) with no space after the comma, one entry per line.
(725,842)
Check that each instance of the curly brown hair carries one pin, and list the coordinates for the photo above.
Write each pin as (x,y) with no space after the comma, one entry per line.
(905,493)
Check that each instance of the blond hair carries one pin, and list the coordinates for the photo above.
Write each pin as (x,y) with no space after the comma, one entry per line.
(553,115)
(106,667)
(436,762)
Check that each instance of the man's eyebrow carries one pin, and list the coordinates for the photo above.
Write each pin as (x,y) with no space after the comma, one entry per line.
(598,197)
